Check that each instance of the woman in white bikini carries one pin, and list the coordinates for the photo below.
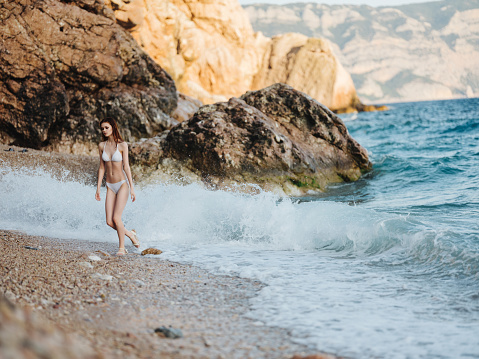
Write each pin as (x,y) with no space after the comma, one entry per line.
(114,160)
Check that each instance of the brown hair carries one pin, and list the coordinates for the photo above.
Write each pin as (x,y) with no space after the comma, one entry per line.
(114,127)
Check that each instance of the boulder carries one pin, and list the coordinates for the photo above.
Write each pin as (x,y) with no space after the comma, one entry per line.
(277,138)
(64,65)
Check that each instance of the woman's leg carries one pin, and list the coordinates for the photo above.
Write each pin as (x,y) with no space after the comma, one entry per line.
(109,207)
(120,203)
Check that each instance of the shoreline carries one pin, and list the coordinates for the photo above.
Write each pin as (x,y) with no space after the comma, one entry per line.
(114,304)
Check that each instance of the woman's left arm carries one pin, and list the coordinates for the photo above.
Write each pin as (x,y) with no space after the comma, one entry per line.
(126,167)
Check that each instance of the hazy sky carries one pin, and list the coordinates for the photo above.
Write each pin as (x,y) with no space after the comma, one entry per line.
(337,2)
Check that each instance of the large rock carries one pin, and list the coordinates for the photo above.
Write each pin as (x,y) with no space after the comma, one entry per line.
(66,64)
(277,138)
(212,52)
(309,65)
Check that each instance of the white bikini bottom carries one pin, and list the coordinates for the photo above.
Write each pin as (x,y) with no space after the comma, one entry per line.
(115,187)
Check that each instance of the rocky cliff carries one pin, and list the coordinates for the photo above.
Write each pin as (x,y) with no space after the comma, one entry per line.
(212,52)
(209,48)
(394,53)
(66,64)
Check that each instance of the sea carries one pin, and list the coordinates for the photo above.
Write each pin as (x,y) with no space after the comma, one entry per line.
(385,267)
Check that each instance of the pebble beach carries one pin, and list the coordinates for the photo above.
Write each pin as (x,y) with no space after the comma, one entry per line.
(76,299)
(112,305)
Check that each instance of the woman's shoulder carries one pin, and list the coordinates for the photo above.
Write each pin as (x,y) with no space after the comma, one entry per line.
(101,145)
(123,145)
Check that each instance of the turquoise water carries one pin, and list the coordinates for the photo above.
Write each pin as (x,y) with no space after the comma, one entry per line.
(386,267)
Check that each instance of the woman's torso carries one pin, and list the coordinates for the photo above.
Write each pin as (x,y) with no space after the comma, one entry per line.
(113,159)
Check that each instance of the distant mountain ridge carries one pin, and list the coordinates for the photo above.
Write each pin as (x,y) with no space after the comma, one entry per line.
(423,51)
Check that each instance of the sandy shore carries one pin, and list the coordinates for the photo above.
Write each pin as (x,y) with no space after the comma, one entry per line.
(109,308)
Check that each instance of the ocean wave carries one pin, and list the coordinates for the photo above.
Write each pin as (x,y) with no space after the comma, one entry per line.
(35,202)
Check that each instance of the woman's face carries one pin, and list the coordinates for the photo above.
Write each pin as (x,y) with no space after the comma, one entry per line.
(106,129)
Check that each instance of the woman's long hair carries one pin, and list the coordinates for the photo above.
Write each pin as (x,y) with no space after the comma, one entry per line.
(116,134)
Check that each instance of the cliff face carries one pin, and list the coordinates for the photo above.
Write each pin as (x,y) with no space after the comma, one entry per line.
(66,64)
(212,52)
(208,47)
(394,53)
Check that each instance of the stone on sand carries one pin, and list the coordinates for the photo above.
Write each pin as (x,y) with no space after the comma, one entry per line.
(151,251)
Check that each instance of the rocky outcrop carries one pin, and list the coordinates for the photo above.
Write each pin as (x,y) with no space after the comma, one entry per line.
(309,65)
(209,48)
(277,138)
(66,64)
(212,52)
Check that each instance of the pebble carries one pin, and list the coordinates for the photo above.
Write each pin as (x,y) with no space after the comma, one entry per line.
(85,264)
(28,247)
(45,302)
(10,296)
(151,251)
(206,342)
(102,276)
(94,258)
(139,282)
(171,333)
(103,253)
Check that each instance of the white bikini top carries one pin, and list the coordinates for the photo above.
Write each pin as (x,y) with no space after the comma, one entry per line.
(117,157)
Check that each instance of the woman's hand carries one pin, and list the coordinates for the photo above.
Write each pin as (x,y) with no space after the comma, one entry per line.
(97,195)
(133,196)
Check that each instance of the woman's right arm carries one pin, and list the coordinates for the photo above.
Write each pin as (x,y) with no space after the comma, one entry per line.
(101,173)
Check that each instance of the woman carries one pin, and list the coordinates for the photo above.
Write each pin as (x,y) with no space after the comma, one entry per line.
(114,160)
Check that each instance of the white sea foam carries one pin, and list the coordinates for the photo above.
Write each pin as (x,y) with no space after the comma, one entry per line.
(36,202)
